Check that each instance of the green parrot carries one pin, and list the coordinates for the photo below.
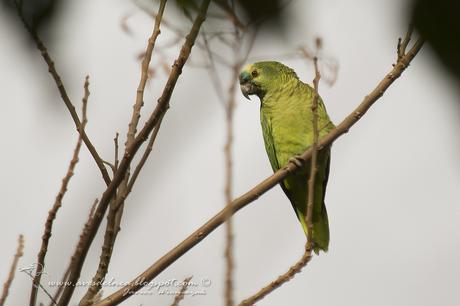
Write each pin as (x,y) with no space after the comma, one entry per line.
(286,118)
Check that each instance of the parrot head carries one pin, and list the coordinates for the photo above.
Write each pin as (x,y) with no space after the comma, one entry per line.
(258,78)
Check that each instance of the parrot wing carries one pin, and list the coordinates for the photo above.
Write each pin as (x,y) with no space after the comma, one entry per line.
(267,131)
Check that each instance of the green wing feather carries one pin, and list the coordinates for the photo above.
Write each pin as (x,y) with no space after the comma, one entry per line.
(287,129)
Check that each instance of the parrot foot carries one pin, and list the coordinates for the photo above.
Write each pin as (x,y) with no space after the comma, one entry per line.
(297,160)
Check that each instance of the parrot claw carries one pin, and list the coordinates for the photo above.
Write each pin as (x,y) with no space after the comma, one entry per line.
(297,160)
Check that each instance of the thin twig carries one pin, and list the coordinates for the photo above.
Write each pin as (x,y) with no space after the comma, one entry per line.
(157,114)
(213,75)
(229,112)
(116,209)
(253,194)
(179,297)
(402,44)
(58,202)
(65,97)
(181,34)
(283,278)
(111,166)
(331,64)
(143,159)
(29,271)
(76,255)
(230,106)
(132,127)
(231,14)
(106,253)
(14,264)
(61,285)
(116,159)
(313,160)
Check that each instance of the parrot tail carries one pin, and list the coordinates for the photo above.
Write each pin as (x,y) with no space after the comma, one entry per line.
(319,217)
(294,187)
(320,230)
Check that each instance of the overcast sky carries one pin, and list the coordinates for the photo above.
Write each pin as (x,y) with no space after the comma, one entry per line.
(392,197)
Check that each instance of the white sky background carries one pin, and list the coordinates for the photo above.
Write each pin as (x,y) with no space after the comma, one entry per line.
(392,195)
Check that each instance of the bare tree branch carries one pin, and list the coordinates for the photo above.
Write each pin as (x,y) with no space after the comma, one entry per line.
(76,255)
(116,159)
(296,268)
(14,264)
(230,106)
(65,276)
(104,259)
(313,160)
(180,34)
(116,207)
(144,158)
(58,202)
(157,114)
(132,127)
(178,298)
(229,112)
(253,194)
(65,97)
(60,286)
(402,44)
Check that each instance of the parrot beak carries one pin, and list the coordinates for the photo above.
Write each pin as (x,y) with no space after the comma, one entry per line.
(245,84)
(246,90)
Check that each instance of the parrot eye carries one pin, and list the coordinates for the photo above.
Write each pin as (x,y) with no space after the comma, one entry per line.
(254,73)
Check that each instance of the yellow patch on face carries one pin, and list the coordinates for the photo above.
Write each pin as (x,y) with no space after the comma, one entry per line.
(248,67)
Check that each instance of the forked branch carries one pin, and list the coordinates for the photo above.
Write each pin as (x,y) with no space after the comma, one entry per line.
(130,152)
(116,207)
(63,92)
(65,97)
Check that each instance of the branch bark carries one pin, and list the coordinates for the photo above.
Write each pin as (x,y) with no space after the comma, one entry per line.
(132,127)
(116,207)
(58,202)
(179,297)
(314,154)
(65,97)
(155,117)
(229,264)
(253,194)
(65,276)
(283,278)
(229,112)
(9,280)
